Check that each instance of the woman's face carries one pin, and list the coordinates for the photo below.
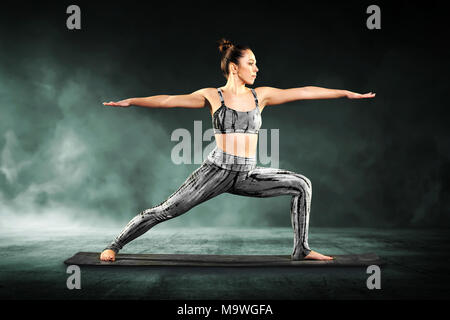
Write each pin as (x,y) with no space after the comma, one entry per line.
(247,68)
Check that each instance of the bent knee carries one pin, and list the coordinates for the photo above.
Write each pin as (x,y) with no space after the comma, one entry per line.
(304,183)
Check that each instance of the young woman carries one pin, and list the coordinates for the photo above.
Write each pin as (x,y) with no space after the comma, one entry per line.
(231,166)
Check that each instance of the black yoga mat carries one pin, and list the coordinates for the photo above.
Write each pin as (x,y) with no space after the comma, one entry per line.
(209,260)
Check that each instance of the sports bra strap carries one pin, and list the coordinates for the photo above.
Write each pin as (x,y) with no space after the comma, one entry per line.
(254,94)
(221,97)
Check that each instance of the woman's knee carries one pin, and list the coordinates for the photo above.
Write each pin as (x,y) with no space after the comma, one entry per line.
(157,214)
(166,210)
(304,183)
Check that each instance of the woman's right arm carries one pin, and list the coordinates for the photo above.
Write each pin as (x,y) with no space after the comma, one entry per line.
(196,99)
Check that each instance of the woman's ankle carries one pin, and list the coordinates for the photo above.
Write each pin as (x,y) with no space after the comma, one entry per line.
(300,255)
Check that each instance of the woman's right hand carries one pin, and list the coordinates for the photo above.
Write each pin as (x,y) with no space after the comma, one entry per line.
(122,103)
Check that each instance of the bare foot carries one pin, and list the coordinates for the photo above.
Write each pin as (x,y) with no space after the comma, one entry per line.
(108,255)
(317,256)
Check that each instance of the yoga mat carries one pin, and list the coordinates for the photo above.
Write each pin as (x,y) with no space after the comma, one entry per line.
(210,260)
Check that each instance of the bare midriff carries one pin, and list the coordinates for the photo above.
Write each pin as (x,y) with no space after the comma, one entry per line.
(238,143)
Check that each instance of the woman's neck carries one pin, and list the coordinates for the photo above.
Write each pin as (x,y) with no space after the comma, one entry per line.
(235,85)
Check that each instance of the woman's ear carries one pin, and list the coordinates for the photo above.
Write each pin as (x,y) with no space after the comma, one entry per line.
(233,68)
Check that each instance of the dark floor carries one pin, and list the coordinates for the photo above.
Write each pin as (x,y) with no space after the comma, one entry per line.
(417,265)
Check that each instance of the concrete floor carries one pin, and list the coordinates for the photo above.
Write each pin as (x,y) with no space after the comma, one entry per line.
(417,265)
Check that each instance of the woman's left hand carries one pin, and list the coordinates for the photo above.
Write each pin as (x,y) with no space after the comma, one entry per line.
(354,95)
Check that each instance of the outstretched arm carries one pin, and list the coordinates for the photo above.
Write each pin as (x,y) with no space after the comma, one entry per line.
(273,96)
(195,99)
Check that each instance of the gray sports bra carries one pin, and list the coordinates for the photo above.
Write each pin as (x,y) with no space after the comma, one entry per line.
(227,120)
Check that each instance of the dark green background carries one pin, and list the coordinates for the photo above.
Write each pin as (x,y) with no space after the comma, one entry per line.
(66,158)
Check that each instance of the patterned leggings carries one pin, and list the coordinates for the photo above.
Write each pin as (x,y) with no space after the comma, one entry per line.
(223,172)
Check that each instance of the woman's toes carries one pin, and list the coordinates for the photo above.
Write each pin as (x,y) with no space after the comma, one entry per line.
(313,255)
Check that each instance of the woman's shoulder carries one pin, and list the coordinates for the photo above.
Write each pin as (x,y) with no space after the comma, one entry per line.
(206,91)
(211,97)
(262,90)
(261,93)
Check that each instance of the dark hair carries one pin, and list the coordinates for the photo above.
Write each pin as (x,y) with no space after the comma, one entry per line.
(230,53)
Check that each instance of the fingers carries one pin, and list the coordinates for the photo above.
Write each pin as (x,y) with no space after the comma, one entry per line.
(354,95)
(368,95)
(111,103)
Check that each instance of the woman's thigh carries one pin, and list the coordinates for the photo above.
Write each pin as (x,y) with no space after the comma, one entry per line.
(204,183)
(270,182)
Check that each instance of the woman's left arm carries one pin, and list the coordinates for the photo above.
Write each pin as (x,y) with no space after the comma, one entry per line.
(273,96)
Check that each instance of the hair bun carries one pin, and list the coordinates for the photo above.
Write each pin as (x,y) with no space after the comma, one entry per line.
(224,44)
